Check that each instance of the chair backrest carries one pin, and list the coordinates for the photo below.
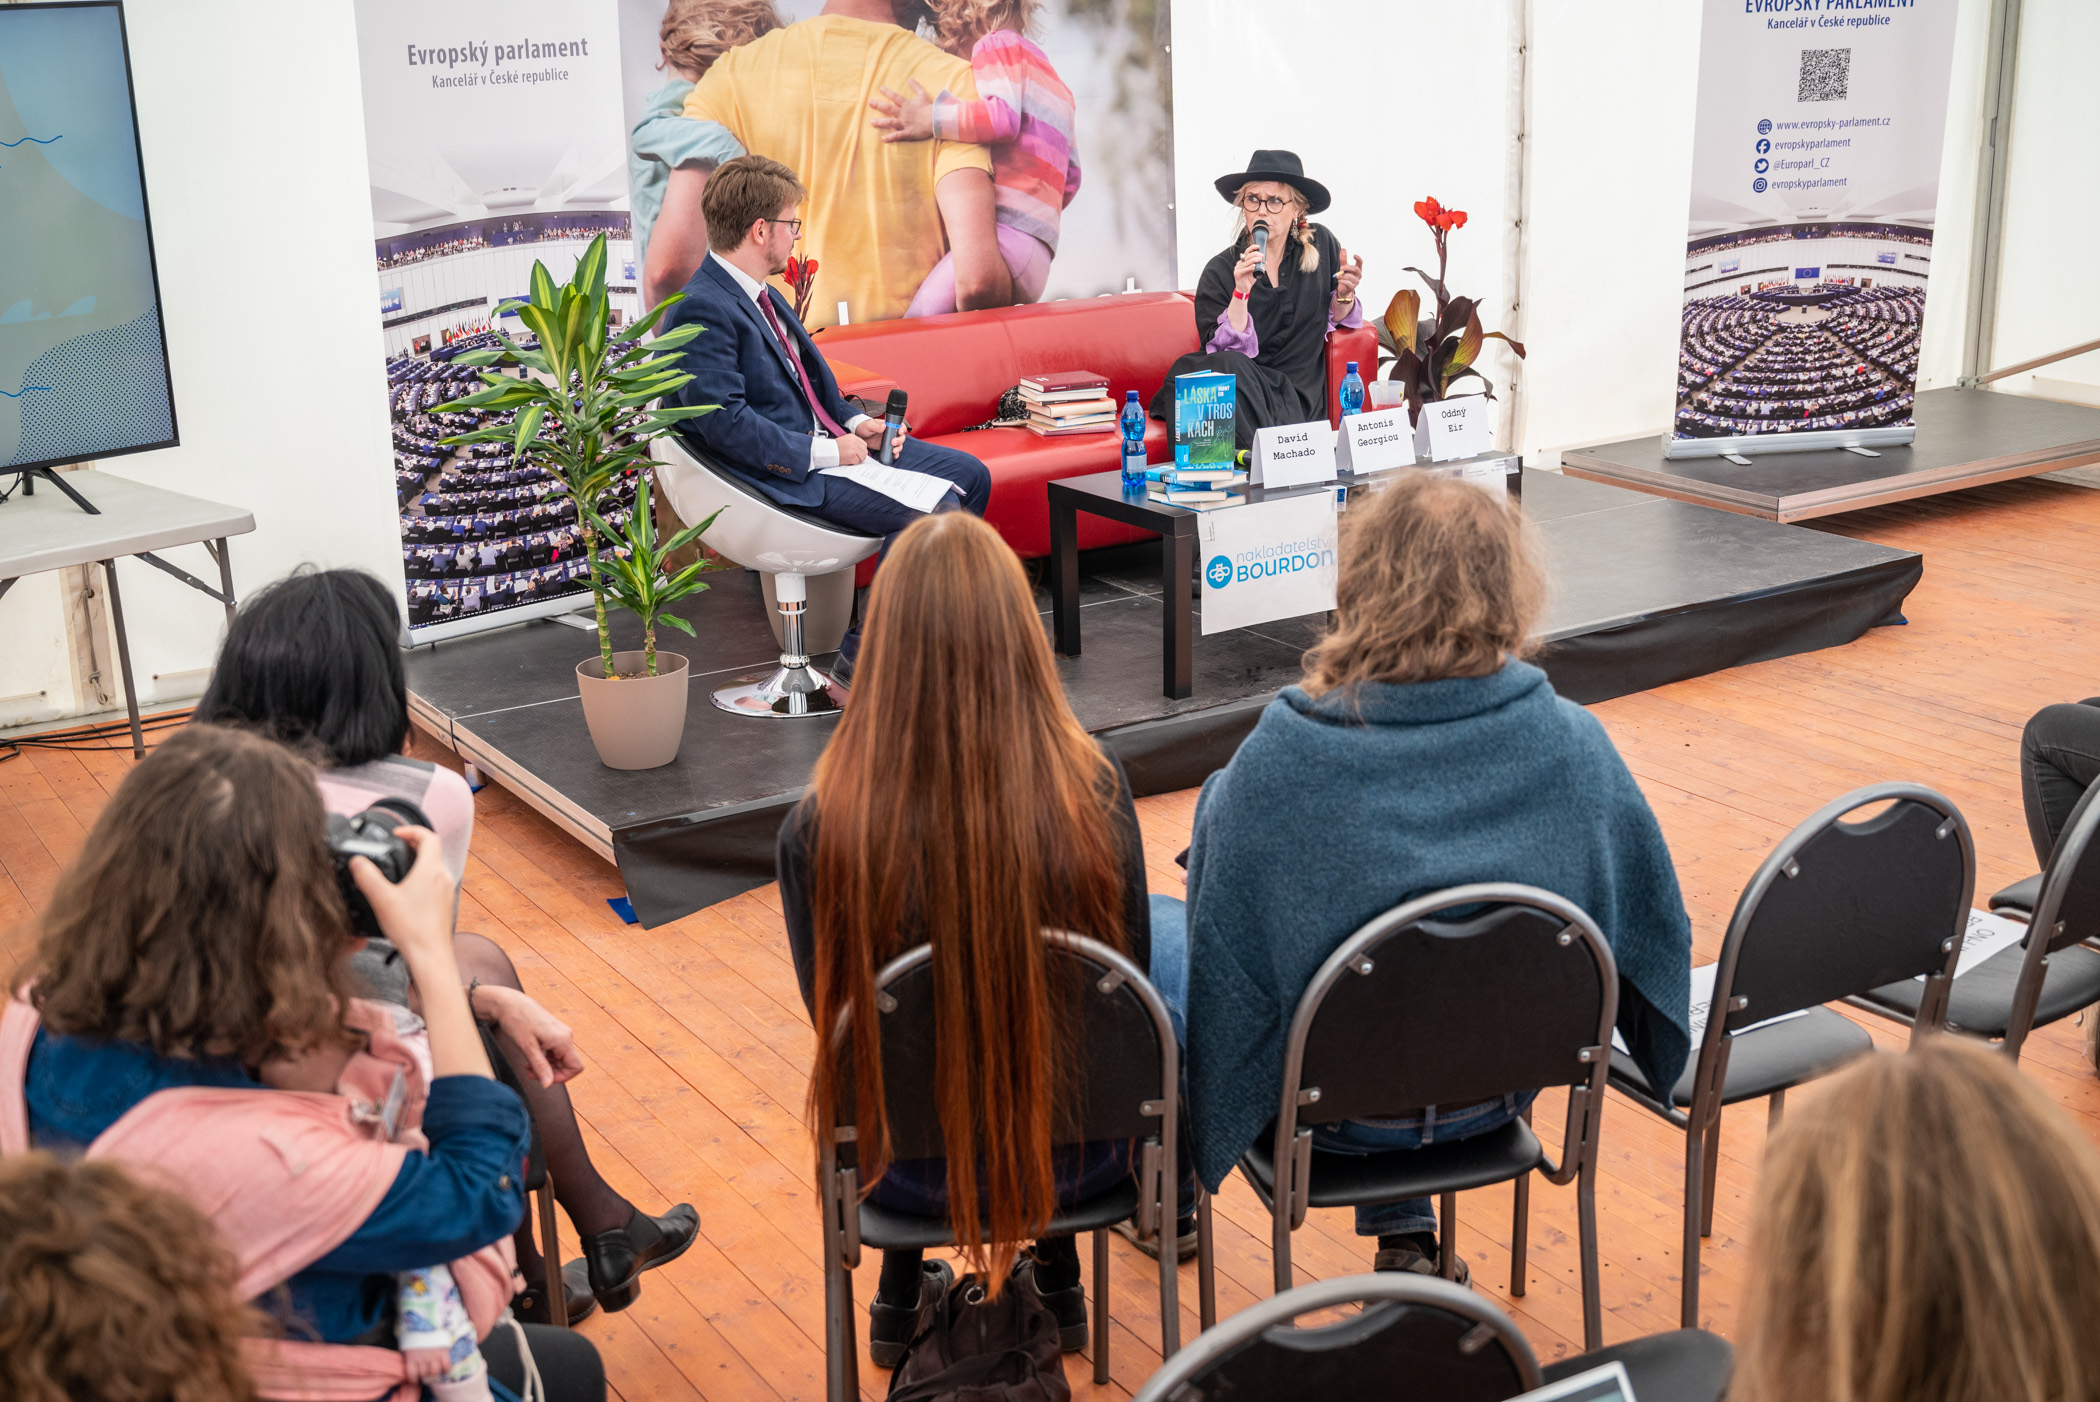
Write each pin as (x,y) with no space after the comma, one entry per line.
(1839,908)
(956,366)
(1123,1085)
(1416,1337)
(1457,996)
(2068,908)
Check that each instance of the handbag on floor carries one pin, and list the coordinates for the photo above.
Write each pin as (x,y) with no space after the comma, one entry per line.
(977,1349)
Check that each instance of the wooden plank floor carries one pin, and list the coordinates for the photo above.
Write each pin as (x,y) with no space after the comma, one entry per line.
(700,1052)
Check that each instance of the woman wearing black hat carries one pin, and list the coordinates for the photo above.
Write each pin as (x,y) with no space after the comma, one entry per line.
(1263,314)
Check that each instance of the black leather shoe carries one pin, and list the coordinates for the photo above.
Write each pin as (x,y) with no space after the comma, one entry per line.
(841,669)
(1066,1306)
(891,1328)
(617,1258)
(530,1304)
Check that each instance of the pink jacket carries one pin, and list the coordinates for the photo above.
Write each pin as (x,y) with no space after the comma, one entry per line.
(286,1176)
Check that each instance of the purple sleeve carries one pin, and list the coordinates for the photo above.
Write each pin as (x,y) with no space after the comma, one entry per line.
(1246,342)
(1350,322)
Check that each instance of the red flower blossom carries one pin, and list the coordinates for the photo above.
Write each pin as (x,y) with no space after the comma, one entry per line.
(1428,210)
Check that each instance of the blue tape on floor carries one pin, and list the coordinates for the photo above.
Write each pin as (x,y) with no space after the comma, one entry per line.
(623,908)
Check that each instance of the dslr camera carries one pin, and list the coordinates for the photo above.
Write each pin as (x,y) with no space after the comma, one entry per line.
(371,835)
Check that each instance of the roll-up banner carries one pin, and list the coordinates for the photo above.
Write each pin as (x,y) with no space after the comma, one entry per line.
(501,132)
(1815,172)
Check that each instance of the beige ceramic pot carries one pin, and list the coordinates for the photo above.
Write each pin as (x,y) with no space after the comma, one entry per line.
(636,722)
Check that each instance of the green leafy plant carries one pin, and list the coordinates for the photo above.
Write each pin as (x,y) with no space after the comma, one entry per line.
(1428,355)
(583,399)
(636,570)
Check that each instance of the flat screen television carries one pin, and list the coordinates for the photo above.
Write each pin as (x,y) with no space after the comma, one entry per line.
(83,357)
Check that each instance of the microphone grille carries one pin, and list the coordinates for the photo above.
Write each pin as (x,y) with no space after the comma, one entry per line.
(896,402)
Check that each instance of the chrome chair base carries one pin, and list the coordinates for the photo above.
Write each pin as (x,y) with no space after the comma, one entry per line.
(785,692)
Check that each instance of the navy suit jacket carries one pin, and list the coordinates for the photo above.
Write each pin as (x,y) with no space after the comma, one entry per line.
(762,431)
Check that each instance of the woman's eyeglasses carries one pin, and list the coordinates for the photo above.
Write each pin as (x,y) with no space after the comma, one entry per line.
(1264,204)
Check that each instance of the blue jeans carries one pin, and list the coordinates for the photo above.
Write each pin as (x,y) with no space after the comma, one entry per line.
(1170,975)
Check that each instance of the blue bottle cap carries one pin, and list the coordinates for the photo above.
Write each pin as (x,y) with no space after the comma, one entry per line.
(1130,396)
(1352,367)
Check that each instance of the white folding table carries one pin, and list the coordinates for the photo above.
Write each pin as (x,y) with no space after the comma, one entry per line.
(49,530)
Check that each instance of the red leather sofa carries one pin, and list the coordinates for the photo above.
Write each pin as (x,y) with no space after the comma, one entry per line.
(955,367)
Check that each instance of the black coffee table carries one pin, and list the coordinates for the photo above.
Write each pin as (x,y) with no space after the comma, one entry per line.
(1102,494)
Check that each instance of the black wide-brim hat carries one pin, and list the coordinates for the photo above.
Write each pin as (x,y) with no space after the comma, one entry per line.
(1276,165)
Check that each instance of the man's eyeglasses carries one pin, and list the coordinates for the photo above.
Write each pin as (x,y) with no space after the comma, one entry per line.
(1264,204)
(795,224)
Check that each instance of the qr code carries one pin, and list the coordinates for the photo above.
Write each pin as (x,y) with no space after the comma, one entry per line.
(1824,74)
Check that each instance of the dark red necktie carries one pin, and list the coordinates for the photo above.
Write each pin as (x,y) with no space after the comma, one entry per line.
(809,395)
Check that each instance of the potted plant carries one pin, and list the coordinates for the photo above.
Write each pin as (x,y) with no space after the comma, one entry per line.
(637,715)
(1427,355)
(586,408)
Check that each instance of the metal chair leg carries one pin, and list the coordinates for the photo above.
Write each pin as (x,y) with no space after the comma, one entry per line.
(1447,1238)
(1206,1264)
(550,1252)
(1520,1236)
(1592,1288)
(1166,1263)
(1694,1161)
(1712,1173)
(841,1349)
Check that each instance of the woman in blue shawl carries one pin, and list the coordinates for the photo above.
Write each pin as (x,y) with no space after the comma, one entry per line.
(1418,753)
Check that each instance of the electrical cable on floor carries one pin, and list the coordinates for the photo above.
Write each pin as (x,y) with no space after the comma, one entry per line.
(92,737)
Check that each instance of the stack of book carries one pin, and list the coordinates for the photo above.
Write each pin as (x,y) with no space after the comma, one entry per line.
(1197,488)
(1070,401)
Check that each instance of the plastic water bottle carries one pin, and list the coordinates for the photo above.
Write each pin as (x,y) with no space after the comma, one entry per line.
(1351,392)
(1133,422)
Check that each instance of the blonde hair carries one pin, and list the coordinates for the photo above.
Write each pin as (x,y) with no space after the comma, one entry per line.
(1928,1230)
(697,32)
(1438,579)
(959,24)
(1309,253)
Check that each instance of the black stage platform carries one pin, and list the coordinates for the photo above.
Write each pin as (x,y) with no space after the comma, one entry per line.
(1966,437)
(1644,592)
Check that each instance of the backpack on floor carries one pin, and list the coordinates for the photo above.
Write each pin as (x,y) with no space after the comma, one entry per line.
(977,1349)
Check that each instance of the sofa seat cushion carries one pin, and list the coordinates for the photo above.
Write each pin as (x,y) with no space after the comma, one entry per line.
(1022,465)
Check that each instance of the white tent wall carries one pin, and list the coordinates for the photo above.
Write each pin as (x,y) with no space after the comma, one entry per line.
(262,235)
(1386,101)
(2049,286)
(1389,100)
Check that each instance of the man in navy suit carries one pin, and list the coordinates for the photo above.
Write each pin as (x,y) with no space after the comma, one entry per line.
(782,422)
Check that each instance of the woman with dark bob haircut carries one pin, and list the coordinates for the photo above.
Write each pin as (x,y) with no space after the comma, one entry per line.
(314,661)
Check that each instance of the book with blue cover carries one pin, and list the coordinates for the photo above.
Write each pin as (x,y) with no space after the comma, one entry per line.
(1205,404)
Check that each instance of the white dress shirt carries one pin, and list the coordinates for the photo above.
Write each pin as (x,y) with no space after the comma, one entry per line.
(823,449)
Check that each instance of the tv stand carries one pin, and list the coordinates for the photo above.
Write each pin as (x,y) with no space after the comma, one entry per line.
(30,474)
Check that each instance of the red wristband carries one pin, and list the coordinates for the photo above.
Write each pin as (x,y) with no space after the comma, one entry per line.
(1238,296)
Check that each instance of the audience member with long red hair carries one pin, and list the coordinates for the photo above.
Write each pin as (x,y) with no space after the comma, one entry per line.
(960,803)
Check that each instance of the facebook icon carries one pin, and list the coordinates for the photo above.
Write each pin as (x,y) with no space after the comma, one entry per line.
(1763,146)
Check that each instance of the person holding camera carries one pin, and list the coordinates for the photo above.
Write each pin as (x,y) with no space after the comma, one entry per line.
(313,661)
(202,932)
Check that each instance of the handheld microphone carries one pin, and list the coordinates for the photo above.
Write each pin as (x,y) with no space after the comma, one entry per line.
(1261,237)
(892,422)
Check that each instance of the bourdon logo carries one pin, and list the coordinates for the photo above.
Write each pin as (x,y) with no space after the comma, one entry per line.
(1218,571)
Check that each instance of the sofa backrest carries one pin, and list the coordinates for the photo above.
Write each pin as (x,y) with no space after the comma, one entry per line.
(955,367)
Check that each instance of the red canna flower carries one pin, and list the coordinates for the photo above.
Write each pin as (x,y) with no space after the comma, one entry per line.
(794,271)
(1428,210)
(809,267)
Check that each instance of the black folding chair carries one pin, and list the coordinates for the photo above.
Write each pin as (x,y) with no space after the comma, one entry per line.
(1837,908)
(1415,1338)
(1458,996)
(2040,980)
(1126,1086)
